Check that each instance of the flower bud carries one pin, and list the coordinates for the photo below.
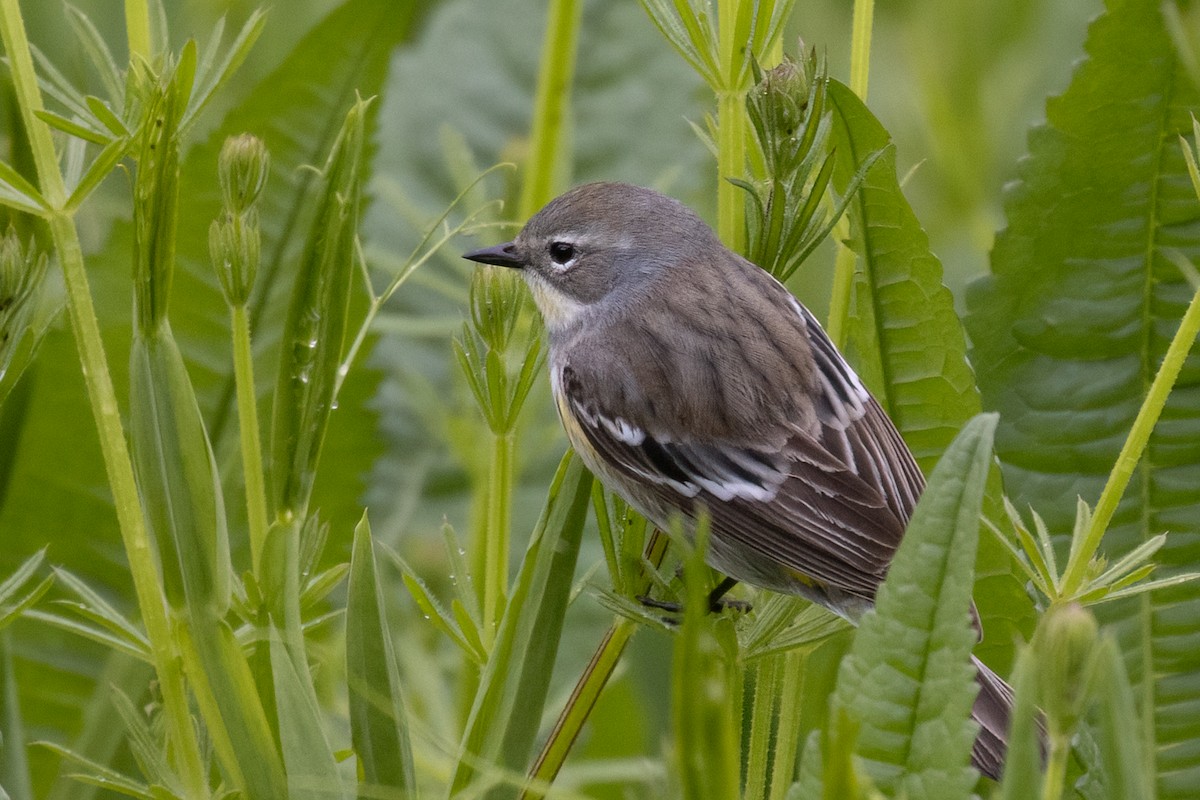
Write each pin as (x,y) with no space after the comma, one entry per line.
(234,245)
(12,269)
(782,94)
(21,271)
(1065,644)
(242,168)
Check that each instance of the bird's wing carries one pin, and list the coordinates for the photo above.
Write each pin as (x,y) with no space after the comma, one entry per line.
(831,503)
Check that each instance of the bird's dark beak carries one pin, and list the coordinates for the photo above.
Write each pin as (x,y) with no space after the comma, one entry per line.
(501,255)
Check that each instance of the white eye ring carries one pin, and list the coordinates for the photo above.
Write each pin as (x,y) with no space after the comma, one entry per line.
(562,254)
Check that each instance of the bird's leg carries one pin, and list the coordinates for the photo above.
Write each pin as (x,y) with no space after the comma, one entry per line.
(716,600)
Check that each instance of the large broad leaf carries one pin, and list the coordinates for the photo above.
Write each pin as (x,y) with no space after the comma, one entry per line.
(58,490)
(1069,330)
(910,345)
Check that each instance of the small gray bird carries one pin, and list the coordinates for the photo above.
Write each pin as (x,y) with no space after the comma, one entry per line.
(687,377)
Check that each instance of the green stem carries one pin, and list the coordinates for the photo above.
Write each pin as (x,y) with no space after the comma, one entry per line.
(557,71)
(767,687)
(1056,767)
(860,46)
(844,262)
(731,163)
(843,283)
(499,532)
(732,124)
(787,741)
(103,400)
(137,28)
(252,461)
(589,686)
(1135,445)
(579,707)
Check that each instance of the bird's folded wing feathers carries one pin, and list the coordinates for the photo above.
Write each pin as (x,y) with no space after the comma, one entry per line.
(801,505)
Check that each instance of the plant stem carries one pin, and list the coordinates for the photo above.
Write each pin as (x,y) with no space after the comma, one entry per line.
(860,46)
(589,686)
(252,461)
(843,266)
(499,532)
(787,736)
(137,28)
(767,685)
(550,106)
(121,480)
(103,400)
(731,163)
(579,707)
(732,121)
(1135,445)
(1056,767)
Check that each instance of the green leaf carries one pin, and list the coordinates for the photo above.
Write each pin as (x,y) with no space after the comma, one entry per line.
(378,719)
(312,773)
(911,348)
(1122,759)
(11,606)
(316,324)
(512,690)
(1069,330)
(177,476)
(908,681)
(14,762)
(1023,762)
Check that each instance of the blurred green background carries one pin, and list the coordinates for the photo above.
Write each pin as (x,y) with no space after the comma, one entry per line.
(956,84)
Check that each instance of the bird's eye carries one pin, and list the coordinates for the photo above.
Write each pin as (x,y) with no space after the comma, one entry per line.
(561,252)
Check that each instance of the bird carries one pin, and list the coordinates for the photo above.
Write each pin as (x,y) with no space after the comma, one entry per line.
(690,381)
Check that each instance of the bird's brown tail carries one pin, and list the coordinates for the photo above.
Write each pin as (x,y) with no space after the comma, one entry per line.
(992,710)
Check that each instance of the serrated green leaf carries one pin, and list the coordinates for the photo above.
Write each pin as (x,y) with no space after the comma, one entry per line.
(1070,327)
(378,719)
(911,348)
(907,680)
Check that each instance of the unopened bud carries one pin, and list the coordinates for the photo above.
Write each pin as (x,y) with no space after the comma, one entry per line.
(21,271)
(243,167)
(12,269)
(1065,644)
(234,246)
(782,94)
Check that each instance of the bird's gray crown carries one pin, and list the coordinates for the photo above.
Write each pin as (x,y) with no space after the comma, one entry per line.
(602,243)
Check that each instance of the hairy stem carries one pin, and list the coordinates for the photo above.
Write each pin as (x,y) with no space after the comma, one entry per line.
(251,438)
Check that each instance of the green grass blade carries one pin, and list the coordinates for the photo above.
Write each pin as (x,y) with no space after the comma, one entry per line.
(1070,328)
(378,720)
(316,325)
(512,691)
